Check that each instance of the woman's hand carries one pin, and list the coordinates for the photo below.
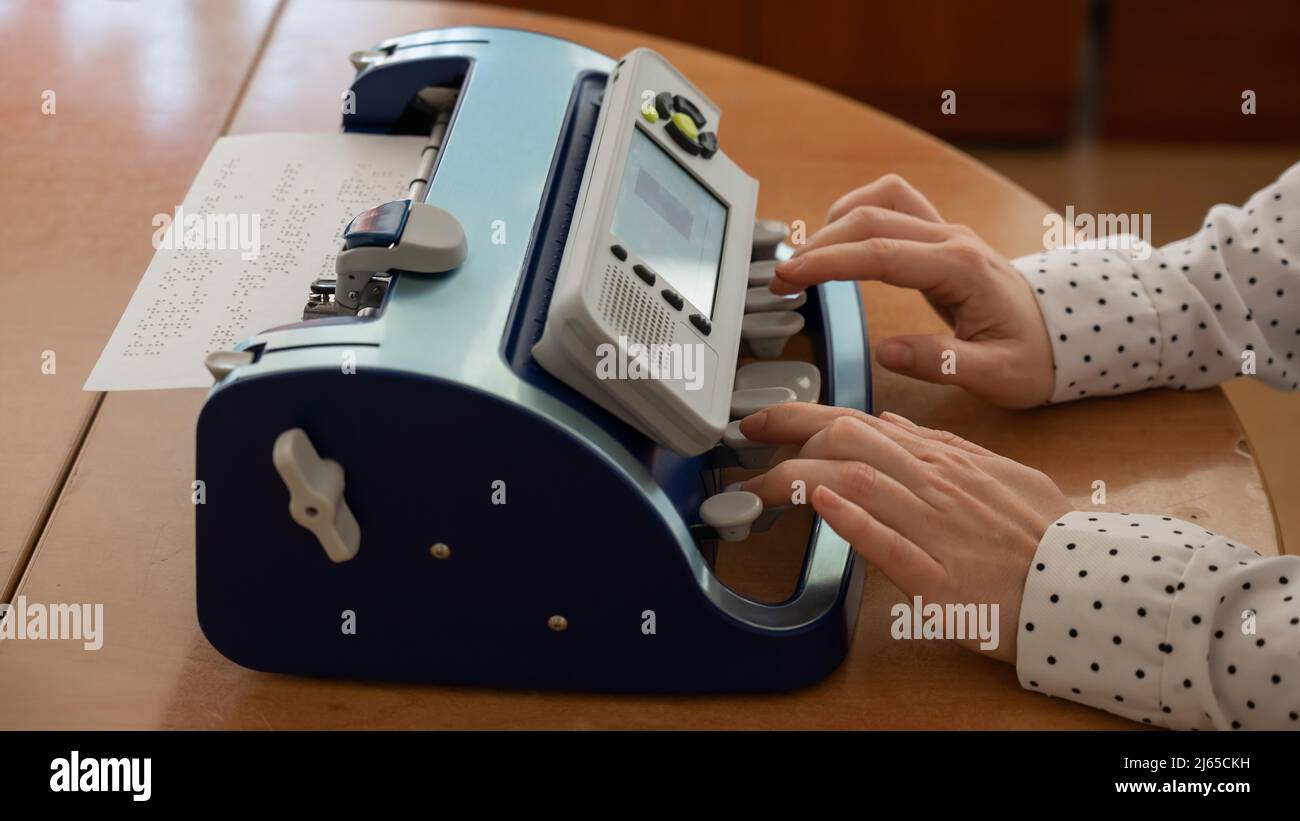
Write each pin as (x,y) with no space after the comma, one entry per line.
(888,231)
(944,519)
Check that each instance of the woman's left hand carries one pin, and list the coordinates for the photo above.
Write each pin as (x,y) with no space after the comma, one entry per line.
(944,519)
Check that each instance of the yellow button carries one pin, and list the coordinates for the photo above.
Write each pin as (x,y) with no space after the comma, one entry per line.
(650,115)
(686,125)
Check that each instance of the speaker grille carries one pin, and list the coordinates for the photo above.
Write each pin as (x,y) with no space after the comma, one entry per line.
(632,312)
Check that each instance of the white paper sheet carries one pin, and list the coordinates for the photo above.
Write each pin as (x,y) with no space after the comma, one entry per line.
(263,219)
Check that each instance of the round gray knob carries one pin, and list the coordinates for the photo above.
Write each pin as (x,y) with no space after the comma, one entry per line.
(766,334)
(731,514)
(769,516)
(768,234)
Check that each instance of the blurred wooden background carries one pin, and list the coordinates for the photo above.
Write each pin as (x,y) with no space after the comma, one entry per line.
(1022,69)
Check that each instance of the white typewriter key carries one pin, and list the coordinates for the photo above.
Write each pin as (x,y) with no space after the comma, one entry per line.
(750,454)
(761,300)
(768,234)
(731,514)
(769,516)
(761,273)
(766,334)
(801,377)
(743,403)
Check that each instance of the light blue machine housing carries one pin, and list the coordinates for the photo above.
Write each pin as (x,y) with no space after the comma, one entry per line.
(446,401)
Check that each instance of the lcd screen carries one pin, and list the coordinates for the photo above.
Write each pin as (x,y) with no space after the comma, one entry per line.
(671,221)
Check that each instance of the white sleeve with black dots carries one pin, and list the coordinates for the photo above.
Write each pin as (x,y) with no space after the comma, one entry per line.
(1163,622)
(1195,313)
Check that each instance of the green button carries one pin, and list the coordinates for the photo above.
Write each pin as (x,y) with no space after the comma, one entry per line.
(686,125)
(650,115)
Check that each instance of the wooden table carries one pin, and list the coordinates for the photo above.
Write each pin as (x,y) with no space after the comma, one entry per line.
(121,529)
(140,92)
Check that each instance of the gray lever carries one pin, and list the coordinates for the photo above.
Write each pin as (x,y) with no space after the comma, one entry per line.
(762,273)
(768,234)
(750,454)
(766,334)
(221,363)
(801,377)
(753,400)
(316,494)
(429,241)
(731,514)
(761,300)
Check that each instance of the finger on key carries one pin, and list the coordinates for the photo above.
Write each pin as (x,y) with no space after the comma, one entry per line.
(866,441)
(868,221)
(902,262)
(792,423)
(890,191)
(796,480)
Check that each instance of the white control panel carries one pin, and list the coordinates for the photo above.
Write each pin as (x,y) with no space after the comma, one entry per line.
(646,314)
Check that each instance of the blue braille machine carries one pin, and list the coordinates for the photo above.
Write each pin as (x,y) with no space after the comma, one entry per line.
(494,452)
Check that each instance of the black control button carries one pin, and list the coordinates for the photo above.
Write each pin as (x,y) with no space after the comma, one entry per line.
(708,144)
(679,137)
(645,273)
(701,324)
(664,105)
(673,298)
(619,251)
(688,108)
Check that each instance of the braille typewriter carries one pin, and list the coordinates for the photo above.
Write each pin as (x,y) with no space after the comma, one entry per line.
(501,448)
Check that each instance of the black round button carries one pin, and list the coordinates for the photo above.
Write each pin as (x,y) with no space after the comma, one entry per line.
(647,276)
(708,144)
(679,137)
(664,105)
(673,298)
(688,108)
(701,324)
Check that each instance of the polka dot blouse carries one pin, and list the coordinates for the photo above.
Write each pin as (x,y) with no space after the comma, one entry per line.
(1150,617)
(1163,622)
(1194,313)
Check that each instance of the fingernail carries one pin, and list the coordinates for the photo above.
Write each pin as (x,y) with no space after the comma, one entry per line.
(897,356)
(902,420)
(790,265)
(753,424)
(783,286)
(828,498)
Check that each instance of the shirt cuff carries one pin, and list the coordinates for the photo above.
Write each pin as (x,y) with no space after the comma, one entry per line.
(1099,602)
(1104,326)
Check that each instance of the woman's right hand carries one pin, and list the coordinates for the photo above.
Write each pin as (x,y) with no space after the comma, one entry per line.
(888,231)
